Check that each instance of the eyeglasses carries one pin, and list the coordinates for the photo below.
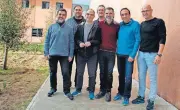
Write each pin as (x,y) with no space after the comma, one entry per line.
(89,14)
(145,11)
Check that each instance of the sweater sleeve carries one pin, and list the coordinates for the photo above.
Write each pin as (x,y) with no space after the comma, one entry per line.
(71,41)
(137,41)
(46,42)
(162,31)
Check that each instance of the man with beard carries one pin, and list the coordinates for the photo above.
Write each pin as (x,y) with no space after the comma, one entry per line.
(59,47)
(107,53)
(74,22)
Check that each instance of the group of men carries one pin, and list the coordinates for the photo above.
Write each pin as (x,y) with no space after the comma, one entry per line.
(99,42)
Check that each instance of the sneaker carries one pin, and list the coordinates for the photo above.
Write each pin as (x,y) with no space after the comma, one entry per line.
(108,97)
(70,96)
(117,97)
(138,100)
(51,92)
(100,95)
(91,95)
(125,101)
(76,93)
(150,105)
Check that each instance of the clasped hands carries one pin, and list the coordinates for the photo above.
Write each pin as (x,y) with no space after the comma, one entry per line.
(86,44)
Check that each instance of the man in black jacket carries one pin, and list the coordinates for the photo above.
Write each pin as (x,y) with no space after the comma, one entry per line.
(88,39)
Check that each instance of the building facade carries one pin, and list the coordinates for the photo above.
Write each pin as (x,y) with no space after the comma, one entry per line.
(168,73)
(43,13)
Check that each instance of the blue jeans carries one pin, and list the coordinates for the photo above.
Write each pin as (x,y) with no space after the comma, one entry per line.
(125,69)
(146,62)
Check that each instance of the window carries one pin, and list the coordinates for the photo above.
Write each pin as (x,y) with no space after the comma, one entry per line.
(45,5)
(37,32)
(25,3)
(59,5)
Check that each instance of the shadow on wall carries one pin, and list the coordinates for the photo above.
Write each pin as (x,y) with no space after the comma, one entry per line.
(168,10)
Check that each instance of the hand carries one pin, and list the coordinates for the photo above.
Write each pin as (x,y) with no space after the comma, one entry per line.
(157,60)
(130,59)
(46,57)
(82,45)
(87,44)
(69,59)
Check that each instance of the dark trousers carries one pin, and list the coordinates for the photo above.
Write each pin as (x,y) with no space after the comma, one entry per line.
(53,61)
(92,67)
(70,67)
(106,64)
(125,69)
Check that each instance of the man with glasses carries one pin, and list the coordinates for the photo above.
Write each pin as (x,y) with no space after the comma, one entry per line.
(107,53)
(101,18)
(153,38)
(59,47)
(87,39)
(127,47)
(74,22)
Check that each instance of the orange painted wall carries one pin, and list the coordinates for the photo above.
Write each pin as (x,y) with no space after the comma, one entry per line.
(168,73)
(39,16)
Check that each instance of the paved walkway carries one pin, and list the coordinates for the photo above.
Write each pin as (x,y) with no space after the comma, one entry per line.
(82,102)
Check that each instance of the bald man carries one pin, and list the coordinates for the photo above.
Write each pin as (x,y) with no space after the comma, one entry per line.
(153,38)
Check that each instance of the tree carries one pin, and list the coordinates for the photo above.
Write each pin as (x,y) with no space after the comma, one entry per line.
(13,25)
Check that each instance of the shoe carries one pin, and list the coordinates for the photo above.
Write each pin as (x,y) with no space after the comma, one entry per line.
(138,100)
(91,95)
(76,93)
(70,96)
(117,97)
(125,101)
(108,97)
(100,95)
(87,89)
(51,92)
(150,105)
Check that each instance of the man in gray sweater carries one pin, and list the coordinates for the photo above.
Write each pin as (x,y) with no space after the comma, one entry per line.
(59,47)
(74,22)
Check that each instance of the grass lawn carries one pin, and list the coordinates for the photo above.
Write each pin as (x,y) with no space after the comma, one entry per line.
(26,73)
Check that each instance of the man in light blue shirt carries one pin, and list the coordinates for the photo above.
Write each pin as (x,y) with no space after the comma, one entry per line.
(59,47)
(127,47)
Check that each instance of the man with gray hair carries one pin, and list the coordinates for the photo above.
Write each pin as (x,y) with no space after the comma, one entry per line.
(106,53)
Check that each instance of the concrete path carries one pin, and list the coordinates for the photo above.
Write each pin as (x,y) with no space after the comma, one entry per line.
(82,102)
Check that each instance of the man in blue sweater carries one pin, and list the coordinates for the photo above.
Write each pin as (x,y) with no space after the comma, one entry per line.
(59,47)
(127,47)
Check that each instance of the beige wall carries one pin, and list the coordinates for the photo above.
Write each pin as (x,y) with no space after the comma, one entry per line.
(168,73)
(39,16)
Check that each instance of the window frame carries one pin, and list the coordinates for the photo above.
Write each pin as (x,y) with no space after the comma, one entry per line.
(25,3)
(38,33)
(44,3)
